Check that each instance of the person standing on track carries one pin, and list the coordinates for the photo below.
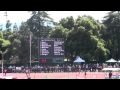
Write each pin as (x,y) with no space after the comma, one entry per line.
(5,71)
(27,71)
(110,74)
(85,73)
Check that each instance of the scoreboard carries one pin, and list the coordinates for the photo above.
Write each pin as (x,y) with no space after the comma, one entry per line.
(52,50)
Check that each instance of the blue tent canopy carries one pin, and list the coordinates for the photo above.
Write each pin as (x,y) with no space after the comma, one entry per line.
(79,60)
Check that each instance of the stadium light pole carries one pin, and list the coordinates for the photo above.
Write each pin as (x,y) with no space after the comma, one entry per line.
(2,61)
(3,53)
(6,14)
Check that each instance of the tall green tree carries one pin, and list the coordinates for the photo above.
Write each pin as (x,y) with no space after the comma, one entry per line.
(112,33)
(67,22)
(15,28)
(24,34)
(59,32)
(13,37)
(83,38)
(4,44)
(37,23)
(8,25)
(91,45)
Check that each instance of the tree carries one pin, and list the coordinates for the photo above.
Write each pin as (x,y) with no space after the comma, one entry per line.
(8,25)
(67,22)
(15,28)
(90,35)
(83,38)
(38,25)
(13,37)
(59,32)
(37,21)
(1,26)
(23,33)
(112,33)
(3,44)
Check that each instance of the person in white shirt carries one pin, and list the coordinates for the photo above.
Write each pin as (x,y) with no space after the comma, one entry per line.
(27,71)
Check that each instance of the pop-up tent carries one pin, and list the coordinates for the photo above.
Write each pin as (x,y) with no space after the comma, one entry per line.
(111,61)
(79,60)
(119,61)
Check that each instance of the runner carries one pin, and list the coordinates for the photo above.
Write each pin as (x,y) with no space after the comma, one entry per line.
(28,73)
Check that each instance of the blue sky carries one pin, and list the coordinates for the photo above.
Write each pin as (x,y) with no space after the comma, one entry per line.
(19,16)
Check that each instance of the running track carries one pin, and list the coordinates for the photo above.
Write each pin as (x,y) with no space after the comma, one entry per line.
(70,75)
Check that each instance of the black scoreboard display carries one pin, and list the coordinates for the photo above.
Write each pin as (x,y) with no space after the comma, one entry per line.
(52,50)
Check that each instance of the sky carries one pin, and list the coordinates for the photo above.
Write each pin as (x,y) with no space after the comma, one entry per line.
(19,16)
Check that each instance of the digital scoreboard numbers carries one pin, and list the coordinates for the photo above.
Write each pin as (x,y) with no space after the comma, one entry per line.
(58,48)
(45,48)
(52,49)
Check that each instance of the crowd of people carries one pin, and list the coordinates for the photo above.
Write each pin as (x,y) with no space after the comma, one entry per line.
(55,68)
(59,68)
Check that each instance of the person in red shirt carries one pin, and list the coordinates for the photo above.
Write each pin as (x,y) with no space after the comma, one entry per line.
(85,74)
(110,74)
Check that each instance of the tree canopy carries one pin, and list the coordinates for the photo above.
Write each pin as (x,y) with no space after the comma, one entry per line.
(83,36)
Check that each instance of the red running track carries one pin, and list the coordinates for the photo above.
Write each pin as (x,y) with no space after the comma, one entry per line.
(70,75)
